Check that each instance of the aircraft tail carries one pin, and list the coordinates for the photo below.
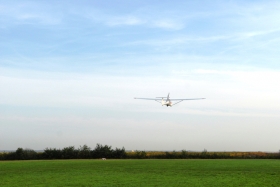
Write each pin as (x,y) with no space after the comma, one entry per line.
(167,98)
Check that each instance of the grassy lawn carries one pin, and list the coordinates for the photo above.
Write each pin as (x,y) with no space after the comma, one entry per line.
(140,173)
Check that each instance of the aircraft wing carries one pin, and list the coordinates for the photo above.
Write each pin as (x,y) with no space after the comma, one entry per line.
(154,99)
(185,99)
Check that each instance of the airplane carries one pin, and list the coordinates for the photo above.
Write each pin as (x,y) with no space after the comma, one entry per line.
(168,102)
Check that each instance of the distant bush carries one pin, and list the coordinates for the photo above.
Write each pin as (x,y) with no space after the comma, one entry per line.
(101,151)
(25,154)
(50,153)
(84,152)
(69,153)
(119,153)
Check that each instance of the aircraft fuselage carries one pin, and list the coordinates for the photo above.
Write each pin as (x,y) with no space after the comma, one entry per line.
(166,103)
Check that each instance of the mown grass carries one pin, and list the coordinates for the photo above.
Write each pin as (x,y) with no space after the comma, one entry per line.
(140,173)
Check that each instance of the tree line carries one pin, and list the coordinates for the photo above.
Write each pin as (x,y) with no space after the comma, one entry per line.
(83,152)
(201,155)
(105,151)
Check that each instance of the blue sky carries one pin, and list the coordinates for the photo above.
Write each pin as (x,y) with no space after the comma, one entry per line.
(69,72)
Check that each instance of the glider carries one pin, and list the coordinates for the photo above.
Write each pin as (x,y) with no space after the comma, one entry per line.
(166,101)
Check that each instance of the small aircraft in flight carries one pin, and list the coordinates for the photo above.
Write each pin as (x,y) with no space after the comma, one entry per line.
(168,102)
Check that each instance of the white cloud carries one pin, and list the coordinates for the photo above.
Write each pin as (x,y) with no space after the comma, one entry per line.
(30,13)
(168,24)
(124,20)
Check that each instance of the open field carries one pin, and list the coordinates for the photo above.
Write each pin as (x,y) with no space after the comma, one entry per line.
(140,173)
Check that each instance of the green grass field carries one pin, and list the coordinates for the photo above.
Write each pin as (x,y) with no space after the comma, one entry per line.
(140,173)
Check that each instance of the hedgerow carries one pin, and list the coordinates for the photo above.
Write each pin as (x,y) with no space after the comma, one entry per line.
(105,151)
